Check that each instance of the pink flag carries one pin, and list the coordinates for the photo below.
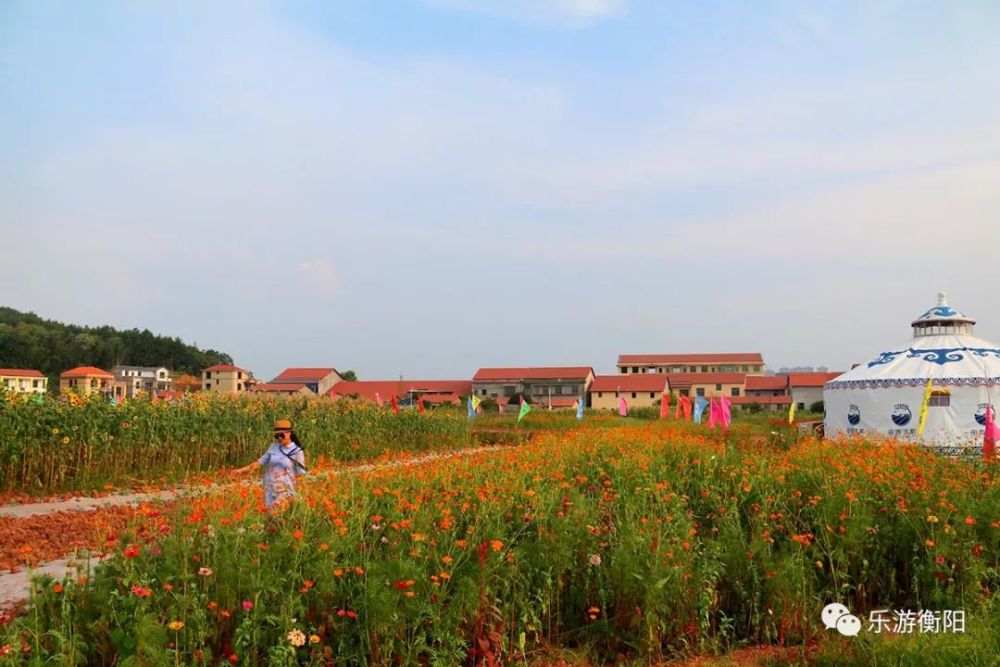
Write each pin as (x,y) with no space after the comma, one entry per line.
(713,412)
(378,399)
(725,413)
(990,436)
(622,406)
(664,406)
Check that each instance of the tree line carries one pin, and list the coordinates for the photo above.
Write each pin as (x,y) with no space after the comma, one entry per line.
(28,341)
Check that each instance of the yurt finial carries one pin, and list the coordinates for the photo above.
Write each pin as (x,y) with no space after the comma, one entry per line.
(942,298)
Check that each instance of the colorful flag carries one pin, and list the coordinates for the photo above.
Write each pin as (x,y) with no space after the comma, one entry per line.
(725,412)
(475,402)
(471,410)
(699,408)
(990,436)
(923,406)
(686,407)
(420,404)
(664,406)
(525,409)
(579,409)
(378,399)
(395,404)
(791,413)
(713,413)
(622,406)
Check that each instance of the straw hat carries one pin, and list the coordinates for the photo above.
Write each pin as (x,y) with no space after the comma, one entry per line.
(282,425)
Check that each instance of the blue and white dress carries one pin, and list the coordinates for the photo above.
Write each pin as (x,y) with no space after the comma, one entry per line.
(282,464)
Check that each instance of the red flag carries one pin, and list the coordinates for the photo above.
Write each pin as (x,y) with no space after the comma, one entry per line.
(420,404)
(395,404)
(990,436)
(664,406)
(686,405)
(713,412)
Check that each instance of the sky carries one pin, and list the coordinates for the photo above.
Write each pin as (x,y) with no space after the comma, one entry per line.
(427,187)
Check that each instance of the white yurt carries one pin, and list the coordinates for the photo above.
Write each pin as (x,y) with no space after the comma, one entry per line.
(885,395)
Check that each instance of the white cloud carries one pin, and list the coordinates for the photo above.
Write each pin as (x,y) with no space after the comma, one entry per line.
(571,12)
(321,277)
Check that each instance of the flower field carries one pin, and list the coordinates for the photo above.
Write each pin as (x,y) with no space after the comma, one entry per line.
(60,445)
(639,541)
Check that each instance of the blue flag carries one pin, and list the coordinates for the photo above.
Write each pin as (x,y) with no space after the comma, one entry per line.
(472,410)
(699,407)
(579,409)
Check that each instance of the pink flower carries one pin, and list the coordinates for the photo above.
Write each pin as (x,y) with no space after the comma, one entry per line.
(248,605)
(595,559)
(939,560)
(205,571)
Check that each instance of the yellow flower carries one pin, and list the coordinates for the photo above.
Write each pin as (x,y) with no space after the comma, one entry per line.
(65,440)
(932,519)
(175,625)
(55,431)
(313,639)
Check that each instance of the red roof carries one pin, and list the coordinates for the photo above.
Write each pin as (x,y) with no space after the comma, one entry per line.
(225,367)
(168,395)
(761,400)
(556,402)
(810,379)
(723,358)
(85,371)
(767,382)
(279,387)
(441,398)
(541,373)
(389,388)
(684,380)
(20,373)
(303,374)
(630,382)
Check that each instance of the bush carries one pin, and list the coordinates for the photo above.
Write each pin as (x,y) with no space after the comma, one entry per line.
(817,407)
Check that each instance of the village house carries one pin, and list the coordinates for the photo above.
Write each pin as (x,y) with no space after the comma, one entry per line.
(23,381)
(538,384)
(282,389)
(135,379)
(768,391)
(407,392)
(806,389)
(317,381)
(639,390)
(226,378)
(748,363)
(87,380)
(730,385)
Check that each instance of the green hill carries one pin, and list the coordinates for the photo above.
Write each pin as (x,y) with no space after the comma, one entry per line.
(28,341)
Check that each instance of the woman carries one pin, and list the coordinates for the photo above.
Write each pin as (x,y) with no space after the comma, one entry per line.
(283,461)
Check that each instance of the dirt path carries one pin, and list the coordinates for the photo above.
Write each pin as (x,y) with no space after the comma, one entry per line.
(16,586)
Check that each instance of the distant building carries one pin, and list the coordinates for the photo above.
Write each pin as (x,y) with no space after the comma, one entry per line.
(149,379)
(768,391)
(282,389)
(433,392)
(87,380)
(639,390)
(730,385)
(23,381)
(319,381)
(226,378)
(785,370)
(807,388)
(748,363)
(539,384)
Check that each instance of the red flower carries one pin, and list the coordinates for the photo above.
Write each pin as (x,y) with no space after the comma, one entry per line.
(403,585)
(131,551)
(141,591)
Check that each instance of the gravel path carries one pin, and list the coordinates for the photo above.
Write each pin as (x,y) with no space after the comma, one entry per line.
(17,586)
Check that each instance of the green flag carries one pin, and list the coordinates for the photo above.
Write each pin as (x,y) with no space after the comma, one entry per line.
(525,409)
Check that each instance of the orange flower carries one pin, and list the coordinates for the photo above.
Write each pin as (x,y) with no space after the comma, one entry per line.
(339,572)
(969,521)
(496,545)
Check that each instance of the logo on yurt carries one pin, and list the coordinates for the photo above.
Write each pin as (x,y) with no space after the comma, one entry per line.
(981,413)
(901,414)
(853,415)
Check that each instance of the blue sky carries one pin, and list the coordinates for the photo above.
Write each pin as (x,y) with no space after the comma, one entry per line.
(425,187)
